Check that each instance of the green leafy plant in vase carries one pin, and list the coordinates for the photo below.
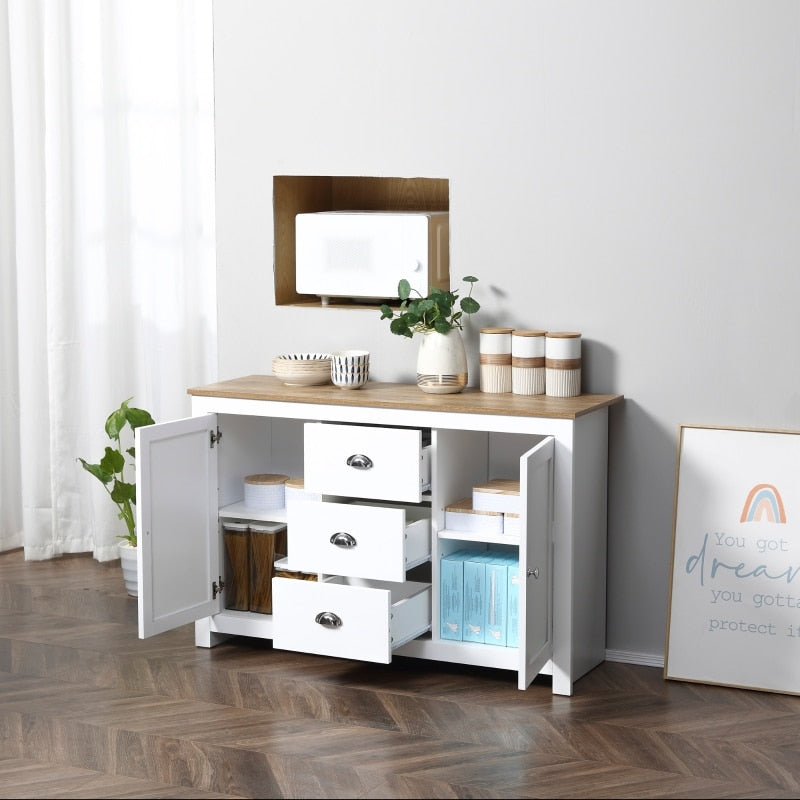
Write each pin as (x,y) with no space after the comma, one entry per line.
(440,311)
(438,318)
(111,469)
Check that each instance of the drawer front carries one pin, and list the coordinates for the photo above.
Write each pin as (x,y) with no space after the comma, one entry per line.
(364,461)
(348,618)
(344,539)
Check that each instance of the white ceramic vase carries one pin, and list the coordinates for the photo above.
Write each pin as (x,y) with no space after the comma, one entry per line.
(442,362)
(128,557)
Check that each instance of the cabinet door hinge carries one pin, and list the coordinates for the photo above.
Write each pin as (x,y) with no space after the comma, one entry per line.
(216,588)
(215,437)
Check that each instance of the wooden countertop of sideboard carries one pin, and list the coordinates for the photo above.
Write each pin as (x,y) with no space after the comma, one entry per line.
(408,396)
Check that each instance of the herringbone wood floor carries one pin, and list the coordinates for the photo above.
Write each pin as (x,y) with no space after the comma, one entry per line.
(89,710)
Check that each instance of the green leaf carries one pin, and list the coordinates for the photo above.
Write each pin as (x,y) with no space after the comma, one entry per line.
(469,305)
(116,421)
(137,417)
(113,461)
(386,312)
(445,309)
(469,279)
(399,326)
(403,289)
(441,325)
(95,469)
(123,491)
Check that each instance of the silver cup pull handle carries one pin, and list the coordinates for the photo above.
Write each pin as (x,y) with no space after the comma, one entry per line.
(328,619)
(359,461)
(343,539)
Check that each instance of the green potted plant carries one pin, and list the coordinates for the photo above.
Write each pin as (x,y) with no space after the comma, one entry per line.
(440,311)
(111,472)
(441,360)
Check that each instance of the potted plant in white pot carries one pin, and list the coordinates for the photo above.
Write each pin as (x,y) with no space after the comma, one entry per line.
(111,473)
(441,360)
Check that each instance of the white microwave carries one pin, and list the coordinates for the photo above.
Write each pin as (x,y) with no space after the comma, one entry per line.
(362,255)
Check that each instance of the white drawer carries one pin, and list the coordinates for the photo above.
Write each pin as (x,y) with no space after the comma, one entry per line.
(366,461)
(358,540)
(348,617)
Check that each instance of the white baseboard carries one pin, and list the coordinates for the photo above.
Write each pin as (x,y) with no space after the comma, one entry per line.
(627,657)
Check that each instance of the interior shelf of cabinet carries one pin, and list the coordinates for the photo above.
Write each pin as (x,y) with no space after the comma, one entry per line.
(473,653)
(242,623)
(499,538)
(241,511)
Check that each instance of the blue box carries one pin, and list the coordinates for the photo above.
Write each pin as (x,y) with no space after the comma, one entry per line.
(512,636)
(496,600)
(475,598)
(451,596)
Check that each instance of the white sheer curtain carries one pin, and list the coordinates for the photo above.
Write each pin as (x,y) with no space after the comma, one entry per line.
(107,274)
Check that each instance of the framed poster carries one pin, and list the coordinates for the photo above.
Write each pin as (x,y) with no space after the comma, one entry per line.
(734,600)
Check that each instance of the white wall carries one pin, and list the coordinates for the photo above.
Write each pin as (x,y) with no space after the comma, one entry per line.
(628,169)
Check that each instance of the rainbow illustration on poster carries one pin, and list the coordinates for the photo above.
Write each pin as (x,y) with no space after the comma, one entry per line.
(763,504)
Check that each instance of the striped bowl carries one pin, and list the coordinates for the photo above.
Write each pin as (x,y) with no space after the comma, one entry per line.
(302,369)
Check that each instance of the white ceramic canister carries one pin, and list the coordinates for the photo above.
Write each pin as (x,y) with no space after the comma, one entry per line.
(295,490)
(563,364)
(265,492)
(527,362)
(495,360)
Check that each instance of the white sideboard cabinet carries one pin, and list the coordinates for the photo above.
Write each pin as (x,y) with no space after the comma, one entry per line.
(374,533)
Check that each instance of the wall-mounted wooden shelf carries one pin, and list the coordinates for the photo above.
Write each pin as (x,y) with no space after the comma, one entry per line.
(295,194)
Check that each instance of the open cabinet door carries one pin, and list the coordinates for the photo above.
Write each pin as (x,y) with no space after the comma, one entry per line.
(535,561)
(176,521)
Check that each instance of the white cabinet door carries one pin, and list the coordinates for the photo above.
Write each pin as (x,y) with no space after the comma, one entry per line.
(176,521)
(535,588)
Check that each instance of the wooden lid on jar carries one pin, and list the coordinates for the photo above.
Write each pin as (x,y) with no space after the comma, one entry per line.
(496,330)
(563,335)
(295,483)
(516,332)
(498,486)
(266,479)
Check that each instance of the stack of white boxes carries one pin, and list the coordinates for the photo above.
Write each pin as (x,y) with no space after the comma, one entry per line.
(493,509)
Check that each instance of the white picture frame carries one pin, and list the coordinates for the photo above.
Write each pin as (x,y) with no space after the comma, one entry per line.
(734,594)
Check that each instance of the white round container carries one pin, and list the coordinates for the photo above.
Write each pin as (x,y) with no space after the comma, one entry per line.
(495,360)
(265,491)
(295,490)
(563,363)
(528,362)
